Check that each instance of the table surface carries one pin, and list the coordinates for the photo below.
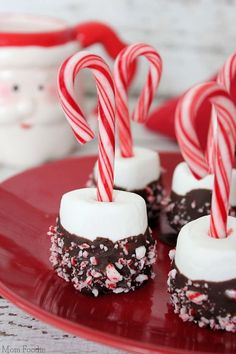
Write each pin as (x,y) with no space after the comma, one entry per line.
(17,329)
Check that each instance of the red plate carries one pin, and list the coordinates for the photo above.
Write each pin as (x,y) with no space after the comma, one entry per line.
(141,321)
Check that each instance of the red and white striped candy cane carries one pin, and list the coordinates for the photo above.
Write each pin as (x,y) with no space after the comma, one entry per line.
(224,135)
(106,113)
(186,134)
(227,73)
(122,71)
(226,77)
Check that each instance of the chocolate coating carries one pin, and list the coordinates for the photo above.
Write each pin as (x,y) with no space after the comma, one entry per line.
(102,266)
(153,195)
(182,209)
(207,303)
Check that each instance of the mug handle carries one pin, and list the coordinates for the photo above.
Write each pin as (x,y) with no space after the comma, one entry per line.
(89,33)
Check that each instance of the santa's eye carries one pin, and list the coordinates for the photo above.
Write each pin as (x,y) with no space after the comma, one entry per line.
(40,87)
(15,87)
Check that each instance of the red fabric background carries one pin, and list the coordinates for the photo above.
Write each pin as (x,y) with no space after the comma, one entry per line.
(162,118)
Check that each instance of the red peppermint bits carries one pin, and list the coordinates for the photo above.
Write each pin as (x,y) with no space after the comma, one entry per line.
(196,297)
(231,294)
(112,273)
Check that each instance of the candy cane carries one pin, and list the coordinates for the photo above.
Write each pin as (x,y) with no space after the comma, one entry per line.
(224,135)
(122,70)
(106,113)
(225,77)
(186,135)
(227,73)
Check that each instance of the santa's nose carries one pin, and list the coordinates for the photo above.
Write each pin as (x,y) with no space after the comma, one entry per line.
(26,106)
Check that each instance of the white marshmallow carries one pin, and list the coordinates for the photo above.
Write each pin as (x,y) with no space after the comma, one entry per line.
(201,257)
(81,214)
(183,182)
(135,172)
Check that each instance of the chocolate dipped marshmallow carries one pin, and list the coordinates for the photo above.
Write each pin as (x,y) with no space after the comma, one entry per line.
(202,282)
(190,198)
(101,242)
(102,247)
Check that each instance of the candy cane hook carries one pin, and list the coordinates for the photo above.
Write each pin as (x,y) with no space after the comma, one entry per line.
(122,69)
(106,113)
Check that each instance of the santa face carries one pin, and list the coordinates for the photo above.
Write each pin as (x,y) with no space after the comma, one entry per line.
(33,128)
(28,98)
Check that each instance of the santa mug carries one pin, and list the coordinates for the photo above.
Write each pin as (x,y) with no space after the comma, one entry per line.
(32,126)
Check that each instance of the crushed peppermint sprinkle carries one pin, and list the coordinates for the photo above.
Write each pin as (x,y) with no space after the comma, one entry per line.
(172,273)
(73,261)
(83,264)
(76,262)
(140,252)
(118,265)
(110,284)
(231,294)
(118,290)
(153,275)
(95,292)
(141,278)
(89,280)
(84,246)
(95,274)
(196,297)
(85,254)
(193,305)
(172,254)
(112,273)
(93,260)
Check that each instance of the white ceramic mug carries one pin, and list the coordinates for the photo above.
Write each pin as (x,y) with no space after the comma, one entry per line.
(32,126)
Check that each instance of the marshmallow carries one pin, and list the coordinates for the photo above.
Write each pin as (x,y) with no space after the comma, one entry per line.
(201,257)
(183,182)
(135,173)
(82,215)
